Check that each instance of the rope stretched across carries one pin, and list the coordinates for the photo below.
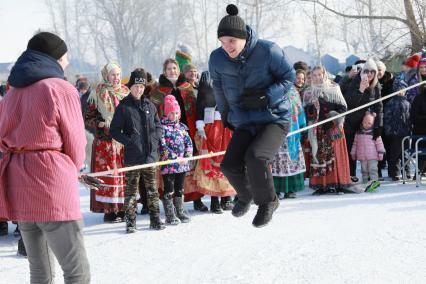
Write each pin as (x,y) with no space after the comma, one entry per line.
(210,155)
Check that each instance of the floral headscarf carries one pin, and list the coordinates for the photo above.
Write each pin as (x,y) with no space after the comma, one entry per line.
(320,139)
(108,95)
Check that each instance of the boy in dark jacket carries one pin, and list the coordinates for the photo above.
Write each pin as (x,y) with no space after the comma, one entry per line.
(397,125)
(136,125)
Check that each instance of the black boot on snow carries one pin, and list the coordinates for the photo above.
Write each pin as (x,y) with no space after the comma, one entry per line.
(215,206)
(144,210)
(240,208)
(156,223)
(226,203)
(17,233)
(110,217)
(21,248)
(200,206)
(264,213)
(119,217)
(3,228)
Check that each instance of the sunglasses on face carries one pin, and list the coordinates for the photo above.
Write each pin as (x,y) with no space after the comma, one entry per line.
(369,71)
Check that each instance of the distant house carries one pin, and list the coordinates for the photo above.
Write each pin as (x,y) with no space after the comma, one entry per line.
(5,70)
(295,54)
(351,59)
(331,64)
(79,68)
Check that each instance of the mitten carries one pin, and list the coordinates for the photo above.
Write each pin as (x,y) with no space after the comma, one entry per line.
(255,99)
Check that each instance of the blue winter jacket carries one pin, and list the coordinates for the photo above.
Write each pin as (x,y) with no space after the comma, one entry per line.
(262,65)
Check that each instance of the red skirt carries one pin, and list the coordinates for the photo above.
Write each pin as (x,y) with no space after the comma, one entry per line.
(109,197)
(207,175)
(339,177)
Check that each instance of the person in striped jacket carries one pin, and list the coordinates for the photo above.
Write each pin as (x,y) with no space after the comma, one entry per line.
(43,142)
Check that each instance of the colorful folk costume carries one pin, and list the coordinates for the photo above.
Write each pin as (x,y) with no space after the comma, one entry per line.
(329,165)
(107,153)
(288,167)
(212,137)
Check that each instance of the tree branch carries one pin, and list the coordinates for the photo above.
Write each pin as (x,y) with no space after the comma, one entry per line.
(372,17)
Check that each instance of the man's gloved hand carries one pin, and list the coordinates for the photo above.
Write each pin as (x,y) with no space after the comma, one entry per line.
(377,132)
(255,99)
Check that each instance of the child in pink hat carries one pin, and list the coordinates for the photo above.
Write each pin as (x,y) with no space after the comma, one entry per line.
(176,143)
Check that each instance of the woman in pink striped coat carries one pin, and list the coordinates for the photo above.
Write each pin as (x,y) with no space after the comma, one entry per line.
(43,142)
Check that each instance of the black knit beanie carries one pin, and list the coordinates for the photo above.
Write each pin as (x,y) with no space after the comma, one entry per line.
(49,44)
(232,24)
(138,76)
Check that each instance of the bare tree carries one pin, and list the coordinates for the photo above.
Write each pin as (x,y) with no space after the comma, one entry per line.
(412,21)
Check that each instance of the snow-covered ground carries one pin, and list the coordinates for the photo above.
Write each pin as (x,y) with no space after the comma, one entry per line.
(354,238)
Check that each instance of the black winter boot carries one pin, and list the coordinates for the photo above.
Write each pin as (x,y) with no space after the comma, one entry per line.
(111,218)
(170,211)
(180,210)
(290,195)
(144,210)
(156,223)
(215,206)
(119,217)
(226,203)
(264,213)
(240,208)
(17,233)
(21,248)
(200,206)
(3,228)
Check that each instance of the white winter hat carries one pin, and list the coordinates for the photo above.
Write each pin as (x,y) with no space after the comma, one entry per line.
(370,64)
(381,65)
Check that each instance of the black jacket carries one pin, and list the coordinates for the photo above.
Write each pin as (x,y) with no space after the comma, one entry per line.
(354,98)
(418,114)
(136,125)
(205,97)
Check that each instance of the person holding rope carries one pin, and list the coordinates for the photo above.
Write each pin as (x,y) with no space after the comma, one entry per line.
(251,78)
(43,142)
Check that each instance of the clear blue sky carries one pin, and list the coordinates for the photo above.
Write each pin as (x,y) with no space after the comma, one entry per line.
(19,19)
